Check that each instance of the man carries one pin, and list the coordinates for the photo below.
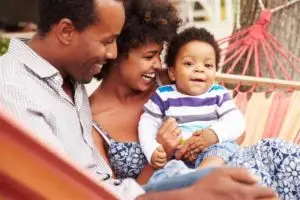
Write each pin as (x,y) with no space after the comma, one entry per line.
(41,84)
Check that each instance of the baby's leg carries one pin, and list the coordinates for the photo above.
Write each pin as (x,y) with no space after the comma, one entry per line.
(211,161)
(171,169)
(216,155)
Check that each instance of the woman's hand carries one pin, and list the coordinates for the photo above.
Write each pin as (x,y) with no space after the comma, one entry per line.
(196,144)
(169,136)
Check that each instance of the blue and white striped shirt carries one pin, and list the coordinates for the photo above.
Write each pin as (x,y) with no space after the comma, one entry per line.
(214,109)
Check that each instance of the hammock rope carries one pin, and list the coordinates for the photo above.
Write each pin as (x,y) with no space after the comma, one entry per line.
(255,43)
(286,5)
(272,112)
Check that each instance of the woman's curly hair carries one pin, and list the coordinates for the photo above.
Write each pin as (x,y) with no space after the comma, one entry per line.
(189,35)
(146,21)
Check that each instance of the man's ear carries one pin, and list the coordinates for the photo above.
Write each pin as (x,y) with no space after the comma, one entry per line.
(171,72)
(65,30)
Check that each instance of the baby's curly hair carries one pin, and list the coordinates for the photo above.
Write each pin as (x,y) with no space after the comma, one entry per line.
(146,21)
(186,36)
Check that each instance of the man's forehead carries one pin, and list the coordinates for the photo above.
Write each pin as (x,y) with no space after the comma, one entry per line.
(107,2)
(111,17)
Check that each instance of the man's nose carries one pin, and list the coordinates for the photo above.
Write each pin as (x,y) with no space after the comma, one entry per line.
(112,51)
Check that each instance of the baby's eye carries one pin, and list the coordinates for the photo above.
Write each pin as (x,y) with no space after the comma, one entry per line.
(188,63)
(208,66)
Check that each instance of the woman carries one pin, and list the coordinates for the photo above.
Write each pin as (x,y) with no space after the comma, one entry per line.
(128,82)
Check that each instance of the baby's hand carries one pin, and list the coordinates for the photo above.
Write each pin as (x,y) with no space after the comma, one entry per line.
(159,158)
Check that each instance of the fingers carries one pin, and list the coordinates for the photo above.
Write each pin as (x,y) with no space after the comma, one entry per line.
(173,129)
(160,153)
(167,124)
(262,192)
(160,149)
(180,152)
(249,192)
(242,175)
(197,147)
(192,158)
(159,165)
(159,158)
(177,132)
(187,155)
(197,133)
(233,183)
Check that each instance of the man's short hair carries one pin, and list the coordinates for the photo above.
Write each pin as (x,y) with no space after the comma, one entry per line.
(81,12)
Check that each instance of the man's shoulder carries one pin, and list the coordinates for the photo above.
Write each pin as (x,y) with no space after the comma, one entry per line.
(10,67)
(14,75)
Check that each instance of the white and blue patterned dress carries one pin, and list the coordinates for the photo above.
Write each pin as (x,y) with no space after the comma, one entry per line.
(126,158)
(276,162)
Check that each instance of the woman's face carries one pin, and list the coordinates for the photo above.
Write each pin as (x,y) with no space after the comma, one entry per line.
(139,69)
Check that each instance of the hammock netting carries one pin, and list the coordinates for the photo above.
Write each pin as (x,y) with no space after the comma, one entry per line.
(263,87)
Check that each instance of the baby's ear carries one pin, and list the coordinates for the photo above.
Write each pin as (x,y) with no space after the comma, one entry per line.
(171,72)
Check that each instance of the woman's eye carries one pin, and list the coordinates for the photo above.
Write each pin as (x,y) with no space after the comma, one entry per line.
(148,57)
(108,42)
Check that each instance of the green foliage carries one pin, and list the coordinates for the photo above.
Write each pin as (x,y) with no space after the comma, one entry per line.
(4,42)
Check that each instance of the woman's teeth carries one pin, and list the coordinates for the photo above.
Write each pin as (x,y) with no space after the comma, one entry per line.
(99,66)
(149,76)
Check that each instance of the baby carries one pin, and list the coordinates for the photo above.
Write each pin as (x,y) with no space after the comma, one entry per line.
(200,107)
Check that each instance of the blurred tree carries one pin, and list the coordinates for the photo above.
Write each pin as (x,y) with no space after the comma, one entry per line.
(285,24)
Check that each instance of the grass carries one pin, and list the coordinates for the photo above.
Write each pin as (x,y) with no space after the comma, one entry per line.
(4,42)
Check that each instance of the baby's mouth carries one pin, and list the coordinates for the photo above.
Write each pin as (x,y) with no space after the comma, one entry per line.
(201,80)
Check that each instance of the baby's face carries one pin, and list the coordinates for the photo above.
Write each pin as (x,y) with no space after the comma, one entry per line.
(195,68)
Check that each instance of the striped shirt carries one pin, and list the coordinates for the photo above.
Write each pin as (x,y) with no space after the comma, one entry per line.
(31,90)
(214,109)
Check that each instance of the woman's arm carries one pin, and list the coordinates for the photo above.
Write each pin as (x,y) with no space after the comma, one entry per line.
(145,174)
(101,146)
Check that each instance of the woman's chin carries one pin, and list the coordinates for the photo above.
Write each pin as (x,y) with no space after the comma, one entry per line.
(146,88)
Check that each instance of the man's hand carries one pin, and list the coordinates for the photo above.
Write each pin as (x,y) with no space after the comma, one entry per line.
(159,158)
(221,184)
(229,184)
(169,136)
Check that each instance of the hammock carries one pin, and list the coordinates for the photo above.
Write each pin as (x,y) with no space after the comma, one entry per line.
(271,112)
(29,169)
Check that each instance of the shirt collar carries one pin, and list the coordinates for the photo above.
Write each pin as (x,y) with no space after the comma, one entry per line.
(31,59)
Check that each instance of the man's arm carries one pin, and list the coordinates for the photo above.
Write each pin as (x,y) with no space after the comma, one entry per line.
(17,102)
(181,194)
(222,184)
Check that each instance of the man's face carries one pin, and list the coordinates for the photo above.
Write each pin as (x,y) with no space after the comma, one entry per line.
(91,47)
